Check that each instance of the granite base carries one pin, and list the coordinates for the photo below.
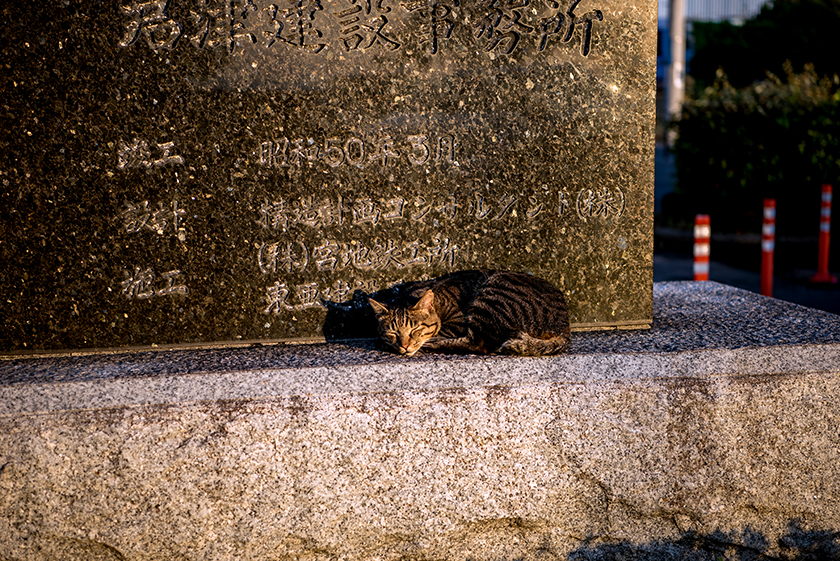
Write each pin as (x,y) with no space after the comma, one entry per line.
(712,435)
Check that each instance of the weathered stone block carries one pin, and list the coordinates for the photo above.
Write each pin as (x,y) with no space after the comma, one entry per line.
(713,435)
(198,171)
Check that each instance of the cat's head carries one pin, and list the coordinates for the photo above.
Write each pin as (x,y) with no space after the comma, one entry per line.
(405,329)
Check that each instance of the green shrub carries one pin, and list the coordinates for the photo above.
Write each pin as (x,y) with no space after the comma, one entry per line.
(773,138)
(799,31)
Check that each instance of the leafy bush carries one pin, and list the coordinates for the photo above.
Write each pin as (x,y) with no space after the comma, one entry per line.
(799,31)
(773,138)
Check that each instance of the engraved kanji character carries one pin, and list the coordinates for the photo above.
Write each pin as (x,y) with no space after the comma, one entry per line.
(274,215)
(339,291)
(276,297)
(266,153)
(137,155)
(159,220)
(168,157)
(298,153)
(374,28)
(501,23)
(211,20)
(332,212)
(444,251)
(313,153)
(276,34)
(361,258)
(281,153)
(238,16)
(151,19)
(308,295)
(325,255)
(275,154)
(345,256)
(171,287)
(176,221)
(362,25)
(274,255)
(601,202)
(139,285)
(505,203)
(301,31)
(368,286)
(222,23)
(436,24)
(365,210)
(598,202)
(136,216)
(554,25)
(350,20)
(446,148)
(415,254)
(383,149)
(306,212)
(387,255)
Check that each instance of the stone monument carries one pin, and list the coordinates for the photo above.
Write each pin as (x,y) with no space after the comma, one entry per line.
(197,171)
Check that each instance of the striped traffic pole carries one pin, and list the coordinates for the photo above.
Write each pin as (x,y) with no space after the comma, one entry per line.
(702,236)
(825,236)
(768,246)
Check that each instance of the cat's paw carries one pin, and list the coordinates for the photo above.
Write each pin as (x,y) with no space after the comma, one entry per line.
(436,343)
(516,347)
(526,345)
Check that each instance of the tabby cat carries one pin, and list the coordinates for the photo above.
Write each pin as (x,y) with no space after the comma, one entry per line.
(480,312)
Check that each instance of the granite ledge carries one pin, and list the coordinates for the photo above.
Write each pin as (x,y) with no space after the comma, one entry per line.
(699,330)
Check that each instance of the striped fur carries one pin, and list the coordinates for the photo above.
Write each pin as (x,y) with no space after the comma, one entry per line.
(479,312)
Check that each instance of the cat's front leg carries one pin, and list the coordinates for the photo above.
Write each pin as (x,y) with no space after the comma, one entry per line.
(455,345)
(436,343)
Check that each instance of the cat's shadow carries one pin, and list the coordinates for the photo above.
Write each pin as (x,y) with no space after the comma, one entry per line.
(353,320)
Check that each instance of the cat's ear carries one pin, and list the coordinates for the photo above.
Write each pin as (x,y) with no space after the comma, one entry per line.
(426,302)
(378,308)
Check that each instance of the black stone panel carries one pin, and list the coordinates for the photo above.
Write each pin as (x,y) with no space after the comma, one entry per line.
(203,171)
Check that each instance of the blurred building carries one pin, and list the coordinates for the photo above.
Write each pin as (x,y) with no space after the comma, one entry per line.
(735,12)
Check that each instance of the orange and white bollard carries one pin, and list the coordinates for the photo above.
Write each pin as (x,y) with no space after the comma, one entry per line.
(825,236)
(768,246)
(702,237)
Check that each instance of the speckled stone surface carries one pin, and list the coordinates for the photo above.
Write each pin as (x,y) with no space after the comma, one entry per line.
(698,330)
(193,171)
(712,435)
